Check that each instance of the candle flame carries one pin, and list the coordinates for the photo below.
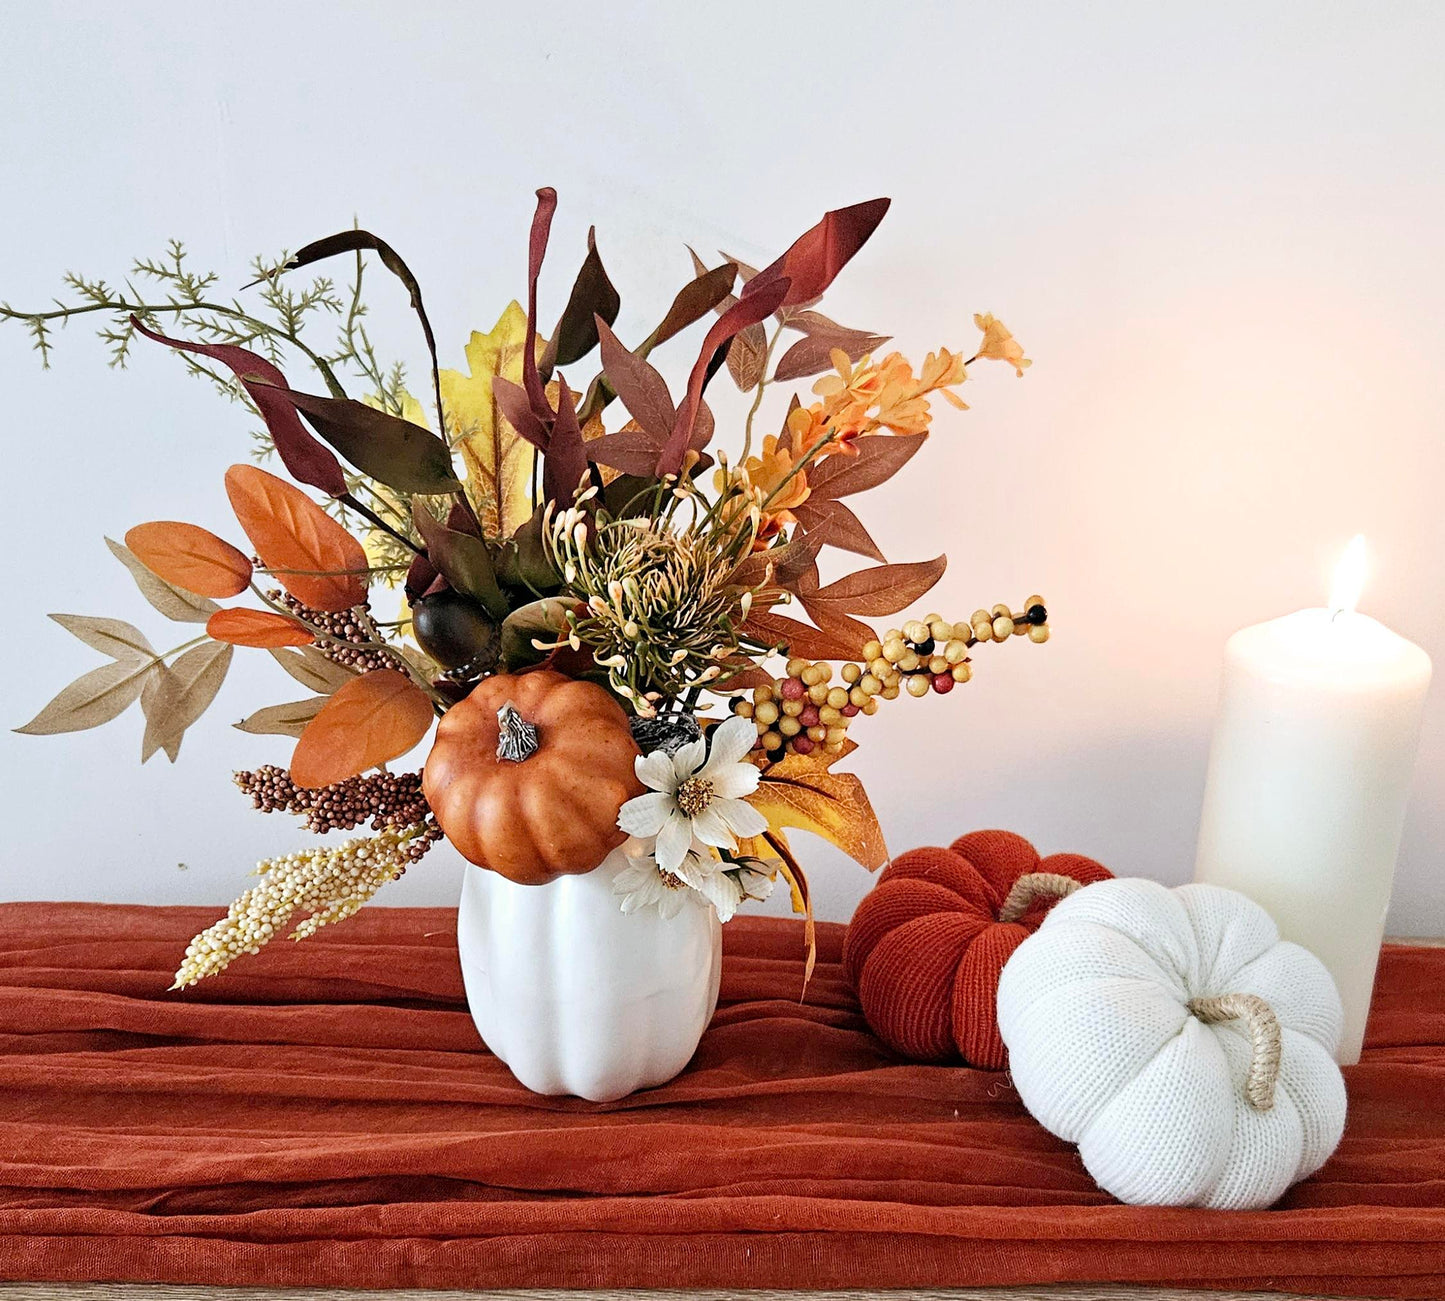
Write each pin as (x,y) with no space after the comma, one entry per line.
(1349,579)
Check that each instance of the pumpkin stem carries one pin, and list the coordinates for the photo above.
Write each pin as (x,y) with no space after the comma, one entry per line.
(516,737)
(1264,1035)
(1035,885)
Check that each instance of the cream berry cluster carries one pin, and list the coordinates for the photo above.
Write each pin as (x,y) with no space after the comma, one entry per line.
(808,711)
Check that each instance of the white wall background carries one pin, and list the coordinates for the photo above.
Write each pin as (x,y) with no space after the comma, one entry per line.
(1217,228)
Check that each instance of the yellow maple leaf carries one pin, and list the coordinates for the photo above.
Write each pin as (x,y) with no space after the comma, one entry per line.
(800,791)
(499,462)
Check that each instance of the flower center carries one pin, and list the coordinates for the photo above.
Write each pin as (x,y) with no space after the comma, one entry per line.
(670,881)
(694,795)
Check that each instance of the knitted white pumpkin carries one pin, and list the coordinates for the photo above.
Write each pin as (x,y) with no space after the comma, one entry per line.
(1175,1038)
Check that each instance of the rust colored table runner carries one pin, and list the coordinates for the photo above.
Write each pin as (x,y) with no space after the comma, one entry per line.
(326,1115)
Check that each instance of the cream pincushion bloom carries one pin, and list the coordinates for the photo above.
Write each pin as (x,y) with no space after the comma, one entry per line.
(696,794)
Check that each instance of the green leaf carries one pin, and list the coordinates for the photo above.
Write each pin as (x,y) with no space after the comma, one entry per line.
(172,601)
(544,620)
(113,637)
(89,701)
(463,560)
(523,562)
(389,449)
(283,720)
(593,295)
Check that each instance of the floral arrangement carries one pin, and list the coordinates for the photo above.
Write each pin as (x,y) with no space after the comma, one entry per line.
(619,575)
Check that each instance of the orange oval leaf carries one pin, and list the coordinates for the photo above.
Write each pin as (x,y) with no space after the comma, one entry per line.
(310,554)
(256,628)
(190,557)
(376,717)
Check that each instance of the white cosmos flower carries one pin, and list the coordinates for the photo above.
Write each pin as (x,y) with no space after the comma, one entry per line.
(698,880)
(694,793)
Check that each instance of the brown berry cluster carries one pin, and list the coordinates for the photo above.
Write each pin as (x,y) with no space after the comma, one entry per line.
(385,799)
(807,711)
(344,625)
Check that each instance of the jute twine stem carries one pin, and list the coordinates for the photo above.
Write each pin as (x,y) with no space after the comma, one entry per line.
(1263,1033)
(1035,885)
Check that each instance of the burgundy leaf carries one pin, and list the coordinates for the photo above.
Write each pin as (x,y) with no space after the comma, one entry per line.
(743,313)
(642,390)
(421,577)
(306,460)
(354,241)
(884,589)
(838,525)
(815,258)
(694,301)
(566,459)
(878,459)
(813,353)
(536,251)
(633,451)
(516,408)
(593,295)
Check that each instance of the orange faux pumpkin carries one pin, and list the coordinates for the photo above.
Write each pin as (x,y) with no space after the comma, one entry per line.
(551,813)
(925,948)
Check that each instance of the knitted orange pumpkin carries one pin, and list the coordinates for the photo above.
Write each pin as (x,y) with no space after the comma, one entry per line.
(926,946)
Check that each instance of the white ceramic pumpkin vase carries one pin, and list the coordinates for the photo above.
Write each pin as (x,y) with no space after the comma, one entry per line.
(578,997)
(1171,1034)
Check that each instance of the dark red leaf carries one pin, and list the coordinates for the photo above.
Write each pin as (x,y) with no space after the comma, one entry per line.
(516,408)
(879,458)
(593,295)
(306,460)
(566,460)
(352,241)
(536,251)
(743,313)
(694,301)
(815,258)
(642,390)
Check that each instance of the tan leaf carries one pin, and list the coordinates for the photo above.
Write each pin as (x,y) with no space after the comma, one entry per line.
(746,357)
(172,601)
(89,701)
(313,670)
(832,805)
(111,637)
(187,691)
(376,717)
(154,701)
(283,720)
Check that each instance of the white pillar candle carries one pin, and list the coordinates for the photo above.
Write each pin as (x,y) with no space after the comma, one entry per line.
(1309,772)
